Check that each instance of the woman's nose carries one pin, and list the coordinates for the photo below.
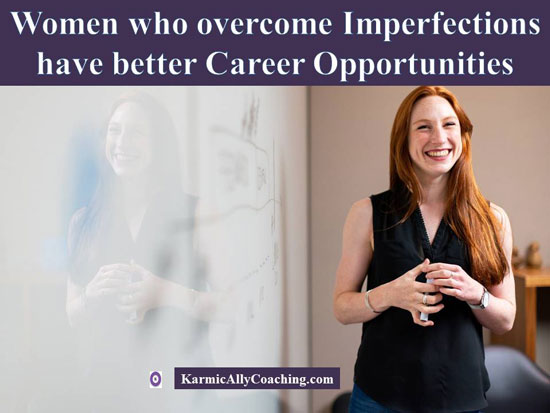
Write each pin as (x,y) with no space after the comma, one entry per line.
(439,134)
(125,137)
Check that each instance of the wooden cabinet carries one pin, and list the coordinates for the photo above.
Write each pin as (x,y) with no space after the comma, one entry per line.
(523,335)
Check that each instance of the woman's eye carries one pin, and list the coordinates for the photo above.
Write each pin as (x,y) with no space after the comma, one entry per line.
(450,124)
(422,127)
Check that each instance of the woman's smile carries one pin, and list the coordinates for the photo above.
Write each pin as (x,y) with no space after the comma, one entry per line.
(126,157)
(438,154)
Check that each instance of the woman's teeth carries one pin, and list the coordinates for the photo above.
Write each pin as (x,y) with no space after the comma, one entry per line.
(437,154)
(125,157)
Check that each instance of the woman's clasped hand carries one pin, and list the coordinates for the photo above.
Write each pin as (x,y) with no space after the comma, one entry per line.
(137,290)
(418,297)
(454,281)
(413,296)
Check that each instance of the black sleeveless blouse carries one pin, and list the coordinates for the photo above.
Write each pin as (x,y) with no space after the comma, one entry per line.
(400,364)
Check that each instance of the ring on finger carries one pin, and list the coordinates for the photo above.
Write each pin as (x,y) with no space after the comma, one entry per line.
(425,299)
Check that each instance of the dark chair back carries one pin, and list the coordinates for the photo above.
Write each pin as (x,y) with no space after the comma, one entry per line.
(341,403)
(517,384)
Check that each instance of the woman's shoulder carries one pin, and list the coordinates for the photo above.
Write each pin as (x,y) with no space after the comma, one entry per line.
(363,208)
(358,224)
(500,214)
(360,214)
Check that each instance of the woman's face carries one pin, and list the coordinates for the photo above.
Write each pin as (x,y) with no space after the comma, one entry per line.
(129,140)
(435,142)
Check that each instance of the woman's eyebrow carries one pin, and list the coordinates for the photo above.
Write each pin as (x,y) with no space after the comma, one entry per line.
(420,120)
(429,120)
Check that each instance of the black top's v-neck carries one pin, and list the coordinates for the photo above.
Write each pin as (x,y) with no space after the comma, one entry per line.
(429,247)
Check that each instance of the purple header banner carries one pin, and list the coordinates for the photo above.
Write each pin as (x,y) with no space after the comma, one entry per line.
(275,43)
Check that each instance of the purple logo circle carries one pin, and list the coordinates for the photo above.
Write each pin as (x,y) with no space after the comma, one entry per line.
(155,379)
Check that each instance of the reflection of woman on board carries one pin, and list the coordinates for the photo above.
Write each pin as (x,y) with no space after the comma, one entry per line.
(133,285)
(422,346)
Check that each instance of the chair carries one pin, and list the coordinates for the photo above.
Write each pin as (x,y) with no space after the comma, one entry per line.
(341,403)
(517,383)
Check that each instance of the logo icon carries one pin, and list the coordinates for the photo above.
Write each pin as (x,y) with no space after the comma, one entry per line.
(155,380)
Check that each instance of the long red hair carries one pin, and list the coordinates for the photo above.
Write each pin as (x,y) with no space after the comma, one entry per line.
(467,212)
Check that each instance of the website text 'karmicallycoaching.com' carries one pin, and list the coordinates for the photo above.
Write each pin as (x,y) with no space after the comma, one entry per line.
(255,378)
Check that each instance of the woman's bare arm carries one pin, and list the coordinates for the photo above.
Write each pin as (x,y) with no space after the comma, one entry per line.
(357,249)
(500,314)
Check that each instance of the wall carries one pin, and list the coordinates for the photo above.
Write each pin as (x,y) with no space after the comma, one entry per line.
(350,129)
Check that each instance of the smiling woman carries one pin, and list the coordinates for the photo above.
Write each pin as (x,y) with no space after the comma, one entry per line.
(436,255)
(133,268)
